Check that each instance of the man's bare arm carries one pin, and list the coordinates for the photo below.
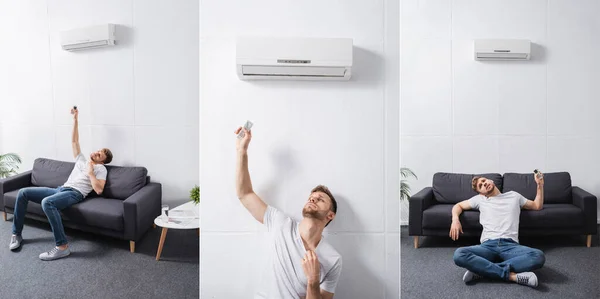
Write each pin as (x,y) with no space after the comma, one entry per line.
(326,295)
(245,193)
(97,185)
(75,137)
(456,227)
(538,202)
(458,208)
(313,291)
(312,267)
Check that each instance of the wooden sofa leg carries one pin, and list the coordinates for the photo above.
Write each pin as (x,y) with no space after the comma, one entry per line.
(589,241)
(4,215)
(416,238)
(132,246)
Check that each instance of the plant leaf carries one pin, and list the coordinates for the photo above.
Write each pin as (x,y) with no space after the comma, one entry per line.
(404,186)
(9,164)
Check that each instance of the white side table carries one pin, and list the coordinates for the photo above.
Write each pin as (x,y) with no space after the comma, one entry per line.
(178,223)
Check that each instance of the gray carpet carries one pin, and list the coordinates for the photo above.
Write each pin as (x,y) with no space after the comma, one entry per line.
(99,267)
(571,270)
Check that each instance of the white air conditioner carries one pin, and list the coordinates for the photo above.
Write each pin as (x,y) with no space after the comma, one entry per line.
(88,37)
(502,49)
(294,58)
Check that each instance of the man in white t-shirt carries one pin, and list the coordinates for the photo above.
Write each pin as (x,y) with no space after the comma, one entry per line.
(302,264)
(500,256)
(85,177)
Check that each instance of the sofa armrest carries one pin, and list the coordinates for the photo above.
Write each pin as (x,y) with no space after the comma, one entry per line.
(140,209)
(13,183)
(417,204)
(588,203)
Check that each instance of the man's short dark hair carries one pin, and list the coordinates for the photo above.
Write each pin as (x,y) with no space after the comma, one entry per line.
(109,156)
(324,189)
(474,182)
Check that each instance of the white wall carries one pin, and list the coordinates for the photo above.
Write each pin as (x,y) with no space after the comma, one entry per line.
(341,134)
(139,98)
(461,115)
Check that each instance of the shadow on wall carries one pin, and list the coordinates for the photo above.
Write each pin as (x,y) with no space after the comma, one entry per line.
(354,264)
(367,70)
(124,36)
(284,163)
(345,216)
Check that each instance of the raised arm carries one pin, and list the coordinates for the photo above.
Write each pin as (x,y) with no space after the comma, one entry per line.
(243,184)
(456,227)
(538,202)
(75,137)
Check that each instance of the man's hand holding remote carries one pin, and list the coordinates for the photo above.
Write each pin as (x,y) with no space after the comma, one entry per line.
(75,112)
(539,178)
(242,143)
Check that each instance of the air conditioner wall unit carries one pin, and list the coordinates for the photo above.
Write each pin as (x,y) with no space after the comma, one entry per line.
(269,58)
(502,49)
(88,37)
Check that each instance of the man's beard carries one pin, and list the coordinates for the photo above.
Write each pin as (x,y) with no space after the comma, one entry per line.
(487,194)
(313,214)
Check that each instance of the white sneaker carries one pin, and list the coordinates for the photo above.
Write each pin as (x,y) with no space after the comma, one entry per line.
(470,276)
(15,242)
(528,279)
(54,254)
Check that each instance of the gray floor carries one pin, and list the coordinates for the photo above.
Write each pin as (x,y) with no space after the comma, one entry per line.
(571,270)
(99,267)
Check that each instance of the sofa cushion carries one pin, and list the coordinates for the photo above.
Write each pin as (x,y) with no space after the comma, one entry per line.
(96,211)
(11,197)
(552,216)
(440,216)
(557,186)
(50,173)
(455,187)
(122,182)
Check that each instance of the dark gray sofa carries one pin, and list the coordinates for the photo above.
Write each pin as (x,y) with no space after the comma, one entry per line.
(126,209)
(568,210)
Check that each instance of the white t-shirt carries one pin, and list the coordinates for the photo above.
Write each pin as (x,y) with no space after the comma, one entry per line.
(284,276)
(79,179)
(499,215)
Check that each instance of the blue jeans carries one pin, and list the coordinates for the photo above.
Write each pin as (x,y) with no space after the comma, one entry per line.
(52,200)
(498,257)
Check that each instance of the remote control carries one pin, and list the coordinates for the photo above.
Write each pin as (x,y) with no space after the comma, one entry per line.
(247,126)
(537,173)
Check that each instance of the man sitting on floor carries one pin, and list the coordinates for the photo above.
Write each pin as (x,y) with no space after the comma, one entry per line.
(500,256)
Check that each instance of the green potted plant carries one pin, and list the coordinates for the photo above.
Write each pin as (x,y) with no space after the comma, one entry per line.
(9,164)
(195,194)
(404,186)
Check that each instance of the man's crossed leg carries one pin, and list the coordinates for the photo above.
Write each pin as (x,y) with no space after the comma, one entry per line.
(515,261)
